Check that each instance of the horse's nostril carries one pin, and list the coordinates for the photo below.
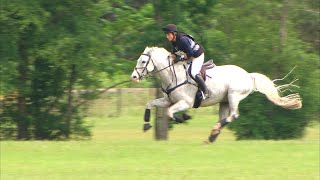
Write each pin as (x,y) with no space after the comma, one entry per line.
(134,77)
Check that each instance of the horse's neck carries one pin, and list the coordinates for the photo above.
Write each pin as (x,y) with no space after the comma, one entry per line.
(172,76)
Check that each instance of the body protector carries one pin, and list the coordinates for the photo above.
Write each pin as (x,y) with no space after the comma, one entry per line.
(186,44)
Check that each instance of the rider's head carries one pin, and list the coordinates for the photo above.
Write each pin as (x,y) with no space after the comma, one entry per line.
(170,30)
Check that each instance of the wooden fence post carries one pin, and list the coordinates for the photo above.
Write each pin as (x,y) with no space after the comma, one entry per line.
(119,101)
(161,121)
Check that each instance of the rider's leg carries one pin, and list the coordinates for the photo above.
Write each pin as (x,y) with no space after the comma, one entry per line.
(196,65)
(202,85)
(195,70)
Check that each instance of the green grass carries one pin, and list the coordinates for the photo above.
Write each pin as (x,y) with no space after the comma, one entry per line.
(119,150)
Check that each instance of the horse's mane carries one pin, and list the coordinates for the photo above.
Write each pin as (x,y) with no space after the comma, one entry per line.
(156,48)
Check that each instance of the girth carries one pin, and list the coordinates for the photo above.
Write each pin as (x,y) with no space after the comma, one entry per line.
(168,91)
(207,65)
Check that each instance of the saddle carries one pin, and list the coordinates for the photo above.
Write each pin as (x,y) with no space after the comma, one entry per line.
(205,66)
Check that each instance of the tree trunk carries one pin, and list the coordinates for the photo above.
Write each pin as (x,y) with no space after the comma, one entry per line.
(119,101)
(283,24)
(157,14)
(22,116)
(22,119)
(283,34)
(72,79)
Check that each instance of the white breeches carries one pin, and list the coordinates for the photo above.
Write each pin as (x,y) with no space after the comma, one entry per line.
(196,65)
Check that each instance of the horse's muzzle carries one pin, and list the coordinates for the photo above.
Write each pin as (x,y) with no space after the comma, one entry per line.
(135,78)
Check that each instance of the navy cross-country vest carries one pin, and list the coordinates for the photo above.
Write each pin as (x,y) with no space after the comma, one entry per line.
(187,44)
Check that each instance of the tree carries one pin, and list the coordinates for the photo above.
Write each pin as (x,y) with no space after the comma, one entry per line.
(260,36)
(56,49)
(50,48)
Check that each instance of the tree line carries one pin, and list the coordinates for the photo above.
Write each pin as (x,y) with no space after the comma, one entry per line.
(49,48)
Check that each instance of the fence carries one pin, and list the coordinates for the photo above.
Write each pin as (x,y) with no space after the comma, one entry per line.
(119,101)
(123,101)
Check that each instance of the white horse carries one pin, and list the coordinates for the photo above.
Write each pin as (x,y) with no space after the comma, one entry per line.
(227,85)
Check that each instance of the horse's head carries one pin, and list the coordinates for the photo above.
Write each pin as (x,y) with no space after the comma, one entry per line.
(147,63)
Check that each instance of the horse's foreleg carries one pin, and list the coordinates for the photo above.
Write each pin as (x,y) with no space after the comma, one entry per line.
(177,107)
(162,102)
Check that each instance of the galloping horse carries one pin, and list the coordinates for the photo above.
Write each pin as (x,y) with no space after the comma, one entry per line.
(227,85)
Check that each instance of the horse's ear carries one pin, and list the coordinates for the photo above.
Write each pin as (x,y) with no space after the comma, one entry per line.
(146,49)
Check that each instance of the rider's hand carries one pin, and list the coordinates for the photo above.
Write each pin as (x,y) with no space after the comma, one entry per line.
(173,56)
(185,56)
(178,59)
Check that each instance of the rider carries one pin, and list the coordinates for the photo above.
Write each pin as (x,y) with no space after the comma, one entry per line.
(184,48)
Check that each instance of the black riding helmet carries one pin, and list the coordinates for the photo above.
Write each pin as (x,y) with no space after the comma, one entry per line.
(169,28)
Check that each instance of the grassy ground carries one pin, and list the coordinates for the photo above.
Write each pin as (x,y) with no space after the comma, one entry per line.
(119,150)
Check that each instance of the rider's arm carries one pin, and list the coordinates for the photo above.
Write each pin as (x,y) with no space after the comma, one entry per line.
(174,48)
(186,47)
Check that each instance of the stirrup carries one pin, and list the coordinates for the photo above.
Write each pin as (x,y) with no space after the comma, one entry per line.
(203,95)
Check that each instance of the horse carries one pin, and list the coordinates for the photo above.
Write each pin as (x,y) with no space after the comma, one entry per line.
(227,85)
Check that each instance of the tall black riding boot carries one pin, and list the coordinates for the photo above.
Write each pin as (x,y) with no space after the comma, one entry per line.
(202,85)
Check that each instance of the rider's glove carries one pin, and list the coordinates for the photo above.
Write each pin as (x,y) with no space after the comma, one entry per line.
(179,58)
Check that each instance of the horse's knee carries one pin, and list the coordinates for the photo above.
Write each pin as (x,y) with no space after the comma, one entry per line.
(149,105)
(235,116)
(170,113)
(232,117)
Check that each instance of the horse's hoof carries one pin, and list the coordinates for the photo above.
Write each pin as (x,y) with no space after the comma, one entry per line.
(146,127)
(207,142)
(213,137)
(186,116)
(178,120)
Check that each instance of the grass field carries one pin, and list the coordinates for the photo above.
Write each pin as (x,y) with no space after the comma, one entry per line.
(119,150)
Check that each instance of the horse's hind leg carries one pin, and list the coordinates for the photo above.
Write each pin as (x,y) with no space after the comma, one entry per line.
(227,113)
(224,112)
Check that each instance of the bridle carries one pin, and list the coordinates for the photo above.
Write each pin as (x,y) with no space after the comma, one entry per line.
(152,73)
(144,68)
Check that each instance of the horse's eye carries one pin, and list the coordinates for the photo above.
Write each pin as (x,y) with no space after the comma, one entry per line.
(143,62)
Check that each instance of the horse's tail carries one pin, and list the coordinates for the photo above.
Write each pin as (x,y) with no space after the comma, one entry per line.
(266,86)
